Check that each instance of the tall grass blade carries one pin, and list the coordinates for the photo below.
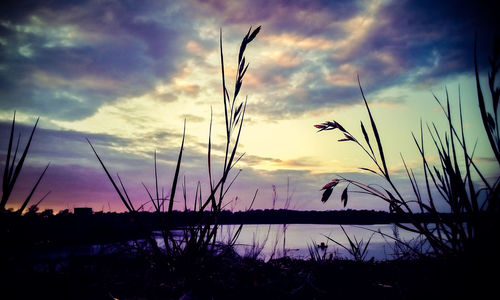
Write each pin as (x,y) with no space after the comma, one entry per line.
(23,206)
(176,175)
(209,156)
(224,90)
(375,132)
(482,108)
(367,139)
(41,199)
(125,191)
(11,170)
(156,182)
(124,201)
(151,198)
(19,166)
(6,175)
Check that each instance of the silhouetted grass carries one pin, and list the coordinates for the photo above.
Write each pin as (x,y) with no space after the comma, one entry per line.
(12,169)
(200,238)
(452,177)
(318,253)
(357,249)
(224,277)
(195,266)
(256,248)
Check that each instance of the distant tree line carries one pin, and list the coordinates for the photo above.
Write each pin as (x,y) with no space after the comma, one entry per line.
(47,229)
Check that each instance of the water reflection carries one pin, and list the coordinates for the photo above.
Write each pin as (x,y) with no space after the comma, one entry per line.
(297,237)
(273,241)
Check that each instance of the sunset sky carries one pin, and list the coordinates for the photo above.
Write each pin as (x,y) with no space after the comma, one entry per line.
(125,75)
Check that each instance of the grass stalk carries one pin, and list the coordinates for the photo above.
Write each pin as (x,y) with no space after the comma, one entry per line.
(12,169)
(451,178)
(200,237)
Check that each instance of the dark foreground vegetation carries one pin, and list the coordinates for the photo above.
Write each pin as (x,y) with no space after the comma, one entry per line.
(129,276)
(131,271)
(462,261)
(65,228)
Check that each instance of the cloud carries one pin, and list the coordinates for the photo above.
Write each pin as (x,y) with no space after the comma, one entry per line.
(129,66)
(67,65)
(313,51)
(192,118)
(75,177)
(65,61)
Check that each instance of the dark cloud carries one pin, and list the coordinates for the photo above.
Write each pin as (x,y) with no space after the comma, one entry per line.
(67,60)
(307,17)
(438,39)
(57,146)
(121,49)
(301,100)
(409,42)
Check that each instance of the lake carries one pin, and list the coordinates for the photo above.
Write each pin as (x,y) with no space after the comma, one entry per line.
(269,238)
(266,241)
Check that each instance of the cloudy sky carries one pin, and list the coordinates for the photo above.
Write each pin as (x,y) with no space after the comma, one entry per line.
(125,74)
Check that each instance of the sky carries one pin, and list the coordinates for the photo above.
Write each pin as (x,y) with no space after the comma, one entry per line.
(126,74)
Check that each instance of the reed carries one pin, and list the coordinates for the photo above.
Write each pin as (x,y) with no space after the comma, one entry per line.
(12,169)
(474,205)
(318,255)
(255,250)
(200,238)
(358,250)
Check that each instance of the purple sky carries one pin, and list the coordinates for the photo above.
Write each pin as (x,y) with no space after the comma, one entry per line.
(126,73)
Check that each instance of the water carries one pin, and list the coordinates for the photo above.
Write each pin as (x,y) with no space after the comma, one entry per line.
(267,240)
